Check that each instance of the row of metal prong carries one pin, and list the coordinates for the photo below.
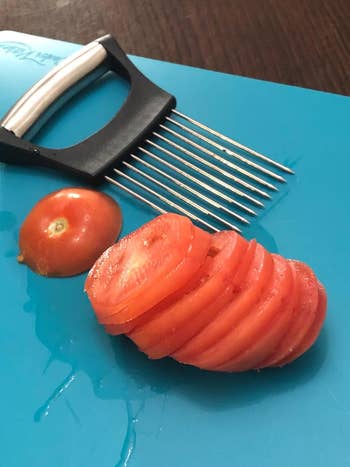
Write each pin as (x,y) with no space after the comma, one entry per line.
(230,181)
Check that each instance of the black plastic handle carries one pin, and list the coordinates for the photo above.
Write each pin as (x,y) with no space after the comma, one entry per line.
(145,107)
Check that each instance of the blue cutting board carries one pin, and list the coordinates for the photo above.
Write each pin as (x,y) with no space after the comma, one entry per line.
(72,396)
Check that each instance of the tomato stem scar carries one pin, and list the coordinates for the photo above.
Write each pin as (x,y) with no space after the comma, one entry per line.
(58,227)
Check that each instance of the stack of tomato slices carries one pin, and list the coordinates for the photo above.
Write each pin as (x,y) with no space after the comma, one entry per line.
(218,302)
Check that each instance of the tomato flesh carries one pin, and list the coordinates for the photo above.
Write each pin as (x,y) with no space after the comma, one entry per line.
(145,267)
(176,323)
(243,334)
(68,230)
(264,328)
(129,325)
(255,257)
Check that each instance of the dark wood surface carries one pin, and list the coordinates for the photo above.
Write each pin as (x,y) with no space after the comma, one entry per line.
(301,42)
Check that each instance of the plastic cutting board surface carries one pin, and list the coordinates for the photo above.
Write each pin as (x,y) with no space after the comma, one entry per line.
(72,396)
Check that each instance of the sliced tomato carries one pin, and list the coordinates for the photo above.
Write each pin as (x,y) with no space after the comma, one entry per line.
(313,331)
(258,275)
(176,323)
(171,283)
(240,276)
(267,329)
(305,313)
(128,326)
(145,267)
(247,323)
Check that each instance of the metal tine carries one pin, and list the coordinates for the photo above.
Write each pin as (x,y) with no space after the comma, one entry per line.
(189,189)
(225,162)
(226,150)
(136,195)
(217,180)
(193,179)
(180,196)
(233,142)
(165,200)
(210,164)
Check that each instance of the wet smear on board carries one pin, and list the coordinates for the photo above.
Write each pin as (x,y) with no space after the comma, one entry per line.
(44,410)
(129,443)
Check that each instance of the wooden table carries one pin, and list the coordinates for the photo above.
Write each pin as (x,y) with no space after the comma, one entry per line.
(301,42)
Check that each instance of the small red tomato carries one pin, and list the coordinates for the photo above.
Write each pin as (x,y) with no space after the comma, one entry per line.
(68,230)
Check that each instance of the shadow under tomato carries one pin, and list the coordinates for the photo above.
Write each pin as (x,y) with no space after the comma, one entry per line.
(66,325)
(219,391)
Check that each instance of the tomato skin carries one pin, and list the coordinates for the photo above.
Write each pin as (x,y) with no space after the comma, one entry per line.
(305,313)
(313,331)
(67,230)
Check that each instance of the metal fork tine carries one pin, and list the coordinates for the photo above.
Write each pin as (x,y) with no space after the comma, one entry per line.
(204,172)
(225,162)
(180,196)
(187,175)
(233,142)
(136,195)
(186,187)
(226,150)
(166,201)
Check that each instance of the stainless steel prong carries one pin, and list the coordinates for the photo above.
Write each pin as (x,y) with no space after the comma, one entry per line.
(178,195)
(167,201)
(235,167)
(188,188)
(187,175)
(226,150)
(219,181)
(136,195)
(233,142)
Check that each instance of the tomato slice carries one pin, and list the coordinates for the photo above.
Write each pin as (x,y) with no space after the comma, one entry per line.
(176,323)
(313,331)
(270,329)
(260,268)
(128,326)
(304,316)
(170,283)
(145,267)
(123,269)
(247,323)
